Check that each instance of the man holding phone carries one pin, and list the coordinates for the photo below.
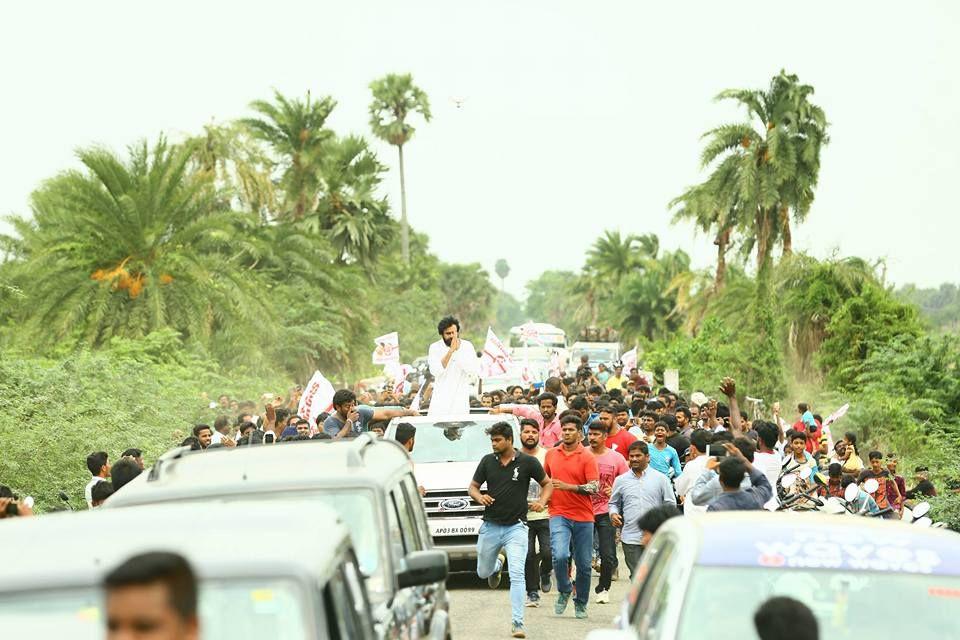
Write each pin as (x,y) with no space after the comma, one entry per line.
(349,419)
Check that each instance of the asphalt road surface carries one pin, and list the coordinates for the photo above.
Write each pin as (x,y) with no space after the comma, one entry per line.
(478,612)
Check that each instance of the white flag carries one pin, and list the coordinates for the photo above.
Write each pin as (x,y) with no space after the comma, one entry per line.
(629,360)
(529,333)
(836,415)
(388,349)
(415,405)
(495,359)
(398,373)
(316,399)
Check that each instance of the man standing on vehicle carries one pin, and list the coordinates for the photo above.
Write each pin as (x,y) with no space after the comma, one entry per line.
(546,417)
(508,473)
(539,563)
(455,367)
(575,478)
(634,493)
(610,465)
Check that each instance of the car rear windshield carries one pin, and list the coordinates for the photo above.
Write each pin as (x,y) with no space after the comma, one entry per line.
(464,441)
(229,610)
(848,605)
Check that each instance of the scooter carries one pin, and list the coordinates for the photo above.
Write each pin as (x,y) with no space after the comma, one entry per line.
(796,501)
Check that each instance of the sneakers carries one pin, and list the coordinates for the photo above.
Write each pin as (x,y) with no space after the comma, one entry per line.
(561,606)
(580,610)
(603,597)
(517,630)
(533,599)
(546,582)
(493,581)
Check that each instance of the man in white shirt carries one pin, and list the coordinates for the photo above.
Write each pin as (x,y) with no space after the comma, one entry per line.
(455,367)
(766,458)
(696,465)
(99,469)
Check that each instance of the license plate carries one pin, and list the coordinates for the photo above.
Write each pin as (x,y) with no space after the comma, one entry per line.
(454,528)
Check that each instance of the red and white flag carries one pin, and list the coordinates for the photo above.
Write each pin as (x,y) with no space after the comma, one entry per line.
(629,360)
(317,398)
(495,359)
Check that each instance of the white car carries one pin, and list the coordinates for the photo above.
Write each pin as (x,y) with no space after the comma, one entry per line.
(446,453)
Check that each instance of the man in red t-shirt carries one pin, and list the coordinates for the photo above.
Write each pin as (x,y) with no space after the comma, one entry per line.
(575,477)
(610,464)
(618,438)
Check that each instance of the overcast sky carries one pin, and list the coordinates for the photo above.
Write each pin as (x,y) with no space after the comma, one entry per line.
(578,116)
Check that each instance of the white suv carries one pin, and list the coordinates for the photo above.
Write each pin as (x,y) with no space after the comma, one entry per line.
(446,453)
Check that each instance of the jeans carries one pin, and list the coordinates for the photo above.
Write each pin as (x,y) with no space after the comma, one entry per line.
(606,535)
(631,556)
(539,532)
(563,531)
(512,538)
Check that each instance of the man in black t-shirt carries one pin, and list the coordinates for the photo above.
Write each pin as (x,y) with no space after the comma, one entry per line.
(507,473)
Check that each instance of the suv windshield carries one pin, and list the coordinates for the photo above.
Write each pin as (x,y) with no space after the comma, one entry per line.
(229,610)
(844,602)
(460,441)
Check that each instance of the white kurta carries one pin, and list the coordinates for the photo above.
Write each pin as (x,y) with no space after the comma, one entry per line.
(452,385)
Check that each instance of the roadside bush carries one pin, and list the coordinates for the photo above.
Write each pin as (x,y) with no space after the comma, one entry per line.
(134,394)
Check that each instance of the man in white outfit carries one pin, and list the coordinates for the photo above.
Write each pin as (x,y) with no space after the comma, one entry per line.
(455,367)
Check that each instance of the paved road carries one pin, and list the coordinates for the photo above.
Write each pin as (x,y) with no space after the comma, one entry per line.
(477,612)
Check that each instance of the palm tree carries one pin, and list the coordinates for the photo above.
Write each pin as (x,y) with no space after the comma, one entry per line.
(239,166)
(395,97)
(613,256)
(296,132)
(503,270)
(131,247)
(774,159)
(348,208)
(643,304)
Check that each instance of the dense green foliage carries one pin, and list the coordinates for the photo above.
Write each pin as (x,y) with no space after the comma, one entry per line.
(939,308)
(141,393)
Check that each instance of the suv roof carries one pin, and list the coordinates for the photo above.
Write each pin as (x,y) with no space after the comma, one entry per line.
(719,538)
(365,460)
(77,549)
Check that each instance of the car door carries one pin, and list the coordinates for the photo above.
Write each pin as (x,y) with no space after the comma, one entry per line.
(431,596)
(405,605)
(347,609)
(647,616)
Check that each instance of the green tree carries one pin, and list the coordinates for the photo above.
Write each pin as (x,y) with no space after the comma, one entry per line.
(770,161)
(133,246)
(468,295)
(503,270)
(862,325)
(348,209)
(296,131)
(395,98)
(550,299)
(642,305)
(509,313)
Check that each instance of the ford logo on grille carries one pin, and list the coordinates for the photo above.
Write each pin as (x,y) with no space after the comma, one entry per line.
(454,504)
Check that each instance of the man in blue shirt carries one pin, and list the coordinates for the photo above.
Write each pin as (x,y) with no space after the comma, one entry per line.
(733,498)
(634,493)
(349,420)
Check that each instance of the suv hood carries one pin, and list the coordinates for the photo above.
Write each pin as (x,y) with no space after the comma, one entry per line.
(445,476)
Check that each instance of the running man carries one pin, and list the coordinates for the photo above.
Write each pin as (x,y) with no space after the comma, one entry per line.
(507,473)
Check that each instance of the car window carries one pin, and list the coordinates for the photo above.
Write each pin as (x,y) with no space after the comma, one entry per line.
(653,595)
(417,511)
(408,524)
(345,615)
(395,537)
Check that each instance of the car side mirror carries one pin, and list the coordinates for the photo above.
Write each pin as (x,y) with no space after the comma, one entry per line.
(423,567)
